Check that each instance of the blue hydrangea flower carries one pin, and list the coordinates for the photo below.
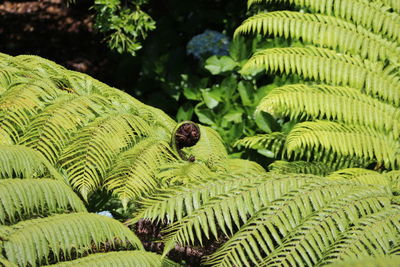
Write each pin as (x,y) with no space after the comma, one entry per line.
(105,213)
(207,44)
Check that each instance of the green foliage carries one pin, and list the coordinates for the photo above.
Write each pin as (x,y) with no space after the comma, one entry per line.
(114,146)
(25,198)
(346,108)
(124,24)
(120,258)
(35,240)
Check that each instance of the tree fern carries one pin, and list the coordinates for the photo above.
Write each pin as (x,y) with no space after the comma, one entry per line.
(315,167)
(330,67)
(333,103)
(370,14)
(93,150)
(120,258)
(21,161)
(33,241)
(135,172)
(324,31)
(268,229)
(344,140)
(21,199)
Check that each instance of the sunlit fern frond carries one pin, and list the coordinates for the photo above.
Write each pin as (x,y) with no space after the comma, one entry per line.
(229,210)
(183,173)
(342,104)
(52,129)
(210,140)
(134,172)
(35,241)
(174,203)
(372,235)
(361,175)
(243,167)
(21,199)
(325,137)
(323,31)
(24,162)
(368,14)
(271,227)
(120,258)
(381,261)
(274,142)
(330,67)
(18,104)
(315,167)
(92,151)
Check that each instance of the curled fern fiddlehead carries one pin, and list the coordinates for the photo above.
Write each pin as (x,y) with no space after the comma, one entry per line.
(186,134)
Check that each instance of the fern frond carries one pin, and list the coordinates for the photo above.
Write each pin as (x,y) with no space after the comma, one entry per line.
(381,261)
(315,167)
(229,210)
(333,103)
(363,176)
(365,13)
(92,151)
(50,130)
(183,173)
(328,66)
(241,167)
(210,140)
(19,103)
(267,229)
(134,172)
(120,258)
(374,235)
(305,245)
(274,142)
(21,199)
(24,162)
(323,31)
(344,140)
(33,241)
(176,202)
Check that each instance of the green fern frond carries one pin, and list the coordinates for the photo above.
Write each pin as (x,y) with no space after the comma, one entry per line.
(174,203)
(19,103)
(315,167)
(33,241)
(23,198)
(51,130)
(323,31)
(183,173)
(274,142)
(374,235)
(134,172)
(241,167)
(382,261)
(210,140)
(365,13)
(92,151)
(6,263)
(363,176)
(120,259)
(24,162)
(306,244)
(326,137)
(268,228)
(328,66)
(333,103)
(229,210)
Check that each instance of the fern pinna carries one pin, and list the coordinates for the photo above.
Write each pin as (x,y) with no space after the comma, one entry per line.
(66,138)
(347,55)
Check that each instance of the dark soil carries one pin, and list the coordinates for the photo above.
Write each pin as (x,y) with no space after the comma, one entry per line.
(56,31)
